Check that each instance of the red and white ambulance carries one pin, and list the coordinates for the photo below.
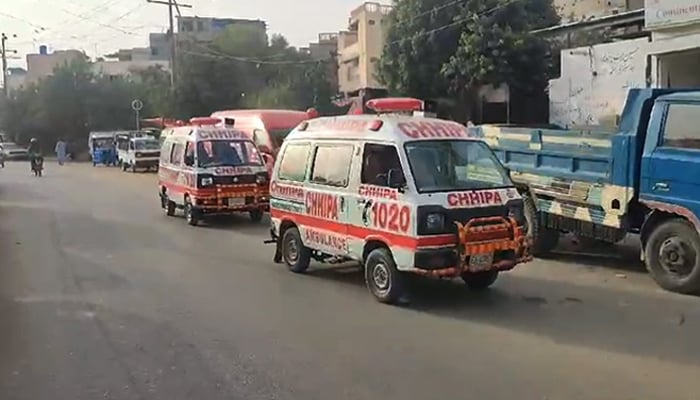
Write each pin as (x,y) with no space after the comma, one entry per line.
(207,170)
(398,193)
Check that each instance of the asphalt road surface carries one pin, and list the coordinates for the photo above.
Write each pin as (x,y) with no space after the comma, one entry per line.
(104,297)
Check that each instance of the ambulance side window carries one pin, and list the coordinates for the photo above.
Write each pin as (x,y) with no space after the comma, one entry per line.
(293,164)
(377,161)
(177,154)
(331,165)
(165,153)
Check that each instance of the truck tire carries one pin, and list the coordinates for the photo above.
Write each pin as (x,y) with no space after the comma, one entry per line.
(672,256)
(479,281)
(382,277)
(544,239)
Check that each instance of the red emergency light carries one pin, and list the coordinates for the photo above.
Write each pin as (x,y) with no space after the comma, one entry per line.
(202,121)
(395,104)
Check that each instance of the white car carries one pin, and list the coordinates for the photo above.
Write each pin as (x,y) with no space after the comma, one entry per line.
(13,151)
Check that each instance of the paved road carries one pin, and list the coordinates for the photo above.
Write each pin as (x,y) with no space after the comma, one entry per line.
(103,297)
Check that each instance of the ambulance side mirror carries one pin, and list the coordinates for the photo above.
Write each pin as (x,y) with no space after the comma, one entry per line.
(396,180)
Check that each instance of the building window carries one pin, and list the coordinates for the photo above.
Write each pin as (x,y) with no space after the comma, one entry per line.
(332,165)
(371,22)
(200,26)
(186,26)
(680,130)
(154,51)
(293,164)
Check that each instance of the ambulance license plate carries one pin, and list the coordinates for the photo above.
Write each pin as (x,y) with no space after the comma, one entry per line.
(236,201)
(480,262)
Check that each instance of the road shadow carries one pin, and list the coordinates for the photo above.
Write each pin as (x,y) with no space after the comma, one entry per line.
(622,256)
(239,222)
(599,317)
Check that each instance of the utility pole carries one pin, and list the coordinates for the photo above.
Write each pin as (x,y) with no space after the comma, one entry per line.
(172,4)
(3,49)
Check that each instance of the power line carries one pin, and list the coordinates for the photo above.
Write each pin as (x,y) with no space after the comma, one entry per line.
(454,23)
(221,56)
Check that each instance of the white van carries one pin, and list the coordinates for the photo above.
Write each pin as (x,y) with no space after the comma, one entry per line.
(399,194)
(139,153)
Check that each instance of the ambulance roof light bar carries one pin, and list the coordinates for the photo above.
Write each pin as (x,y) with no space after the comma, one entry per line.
(395,105)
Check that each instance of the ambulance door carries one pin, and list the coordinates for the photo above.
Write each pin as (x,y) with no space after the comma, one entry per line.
(380,210)
(327,197)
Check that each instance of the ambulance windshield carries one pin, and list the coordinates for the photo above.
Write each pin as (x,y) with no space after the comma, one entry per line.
(224,153)
(450,165)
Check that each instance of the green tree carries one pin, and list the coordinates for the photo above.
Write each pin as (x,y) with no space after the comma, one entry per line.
(442,47)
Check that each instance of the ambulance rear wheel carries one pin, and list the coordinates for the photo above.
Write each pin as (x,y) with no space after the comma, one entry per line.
(256,215)
(124,166)
(295,254)
(168,205)
(382,277)
(480,280)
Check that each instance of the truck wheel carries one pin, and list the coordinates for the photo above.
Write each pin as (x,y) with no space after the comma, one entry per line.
(124,166)
(191,214)
(672,255)
(382,277)
(544,239)
(295,254)
(132,168)
(480,280)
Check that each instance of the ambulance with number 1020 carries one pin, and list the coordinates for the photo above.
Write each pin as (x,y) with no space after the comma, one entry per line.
(399,194)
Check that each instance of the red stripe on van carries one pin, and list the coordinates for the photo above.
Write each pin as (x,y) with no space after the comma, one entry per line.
(365,233)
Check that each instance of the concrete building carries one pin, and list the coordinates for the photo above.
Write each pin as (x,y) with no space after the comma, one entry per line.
(675,47)
(326,49)
(360,47)
(205,29)
(43,64)
(126,68)
(579,10)
(160,46)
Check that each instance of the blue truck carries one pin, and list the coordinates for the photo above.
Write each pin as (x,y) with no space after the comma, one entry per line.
(643,179)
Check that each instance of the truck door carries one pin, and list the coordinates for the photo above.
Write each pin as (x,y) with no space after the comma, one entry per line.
(671,159)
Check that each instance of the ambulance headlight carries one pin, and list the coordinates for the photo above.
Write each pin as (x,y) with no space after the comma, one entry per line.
(435,222)
(207,181)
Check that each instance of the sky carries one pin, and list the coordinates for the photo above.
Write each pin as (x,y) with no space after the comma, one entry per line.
(101,26)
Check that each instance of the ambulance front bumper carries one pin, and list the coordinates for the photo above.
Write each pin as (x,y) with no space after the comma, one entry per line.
(499,245)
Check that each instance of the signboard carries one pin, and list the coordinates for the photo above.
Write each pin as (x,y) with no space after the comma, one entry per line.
(659,14)
(137,105)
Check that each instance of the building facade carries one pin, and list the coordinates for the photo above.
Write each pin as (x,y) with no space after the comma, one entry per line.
(43,64)
(675,46)
(580,10)
(206,29)
(360,47)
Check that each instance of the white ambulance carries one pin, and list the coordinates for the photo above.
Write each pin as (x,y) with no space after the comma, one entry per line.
(398,193)
(209,171)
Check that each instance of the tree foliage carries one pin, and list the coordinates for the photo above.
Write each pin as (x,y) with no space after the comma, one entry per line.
(238,69)
(440,47)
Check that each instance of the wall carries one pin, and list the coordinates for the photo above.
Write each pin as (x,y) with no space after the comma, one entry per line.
(125,68)
(594,82)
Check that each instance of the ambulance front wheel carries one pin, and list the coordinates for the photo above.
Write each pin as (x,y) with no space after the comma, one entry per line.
(382,277)
(295,254)
(192,215)
(480,280)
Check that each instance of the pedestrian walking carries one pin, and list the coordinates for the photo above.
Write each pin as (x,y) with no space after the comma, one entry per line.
(61,151)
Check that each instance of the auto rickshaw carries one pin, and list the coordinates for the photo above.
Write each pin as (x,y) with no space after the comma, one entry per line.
(102,148)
